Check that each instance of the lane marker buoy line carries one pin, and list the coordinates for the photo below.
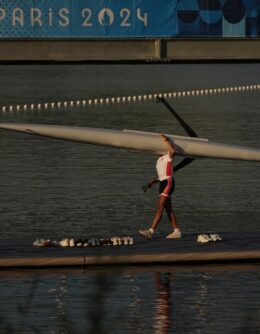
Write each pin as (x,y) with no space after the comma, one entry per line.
(126,99)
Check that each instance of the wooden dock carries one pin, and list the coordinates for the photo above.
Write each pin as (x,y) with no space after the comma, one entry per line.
(235,247)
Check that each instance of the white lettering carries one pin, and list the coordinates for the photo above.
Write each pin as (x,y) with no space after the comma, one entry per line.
(18,17)
(50,17)
(125,14)
(2,14)
(36,15)
(106,17)
(143,18)
(86,13)
(64,21)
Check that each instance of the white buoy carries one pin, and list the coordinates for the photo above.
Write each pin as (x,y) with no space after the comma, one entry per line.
(134,98)
(4,108)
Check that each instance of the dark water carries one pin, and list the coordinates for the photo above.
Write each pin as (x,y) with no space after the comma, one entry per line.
(209,299)
(55,188)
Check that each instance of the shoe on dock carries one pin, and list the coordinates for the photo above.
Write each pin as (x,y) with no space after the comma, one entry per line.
(65,242)
(203,238)
(174,235)
(215,237)
(40,243)
(146,233)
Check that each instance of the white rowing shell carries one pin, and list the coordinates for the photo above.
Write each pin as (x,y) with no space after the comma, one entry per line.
(137,140)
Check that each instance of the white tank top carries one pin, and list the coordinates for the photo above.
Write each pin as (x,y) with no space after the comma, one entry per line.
(164,167)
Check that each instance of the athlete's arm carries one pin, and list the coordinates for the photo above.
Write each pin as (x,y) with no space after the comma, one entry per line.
(150,184)
(169,144)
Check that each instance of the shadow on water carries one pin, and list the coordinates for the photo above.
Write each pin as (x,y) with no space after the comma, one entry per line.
(94,316)
(23,310)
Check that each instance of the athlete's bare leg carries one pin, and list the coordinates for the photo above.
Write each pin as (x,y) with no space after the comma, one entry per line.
(159,212)
(170,213)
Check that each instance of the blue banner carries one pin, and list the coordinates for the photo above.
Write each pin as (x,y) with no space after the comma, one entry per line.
(218,18)
(129,18)
(87,18)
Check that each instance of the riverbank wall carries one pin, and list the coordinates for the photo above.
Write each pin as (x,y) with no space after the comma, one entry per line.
(139,50)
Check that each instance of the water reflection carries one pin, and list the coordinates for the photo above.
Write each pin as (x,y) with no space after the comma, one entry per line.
(165,316)
(159,300)
(59,295)
(162,317)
